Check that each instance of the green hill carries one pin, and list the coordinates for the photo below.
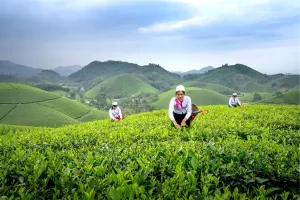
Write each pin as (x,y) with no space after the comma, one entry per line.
(238,77)
(47,77)
(26,105)
(210,86)
(286,81)
(291,97)
(248,97)
(10,68)
(121,86)
(97,71)
(198,96)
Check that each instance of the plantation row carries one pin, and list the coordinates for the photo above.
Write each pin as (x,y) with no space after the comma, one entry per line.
(242,153)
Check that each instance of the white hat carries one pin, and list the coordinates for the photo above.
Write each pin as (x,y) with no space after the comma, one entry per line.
(234,94)
(180,88)
(114,103)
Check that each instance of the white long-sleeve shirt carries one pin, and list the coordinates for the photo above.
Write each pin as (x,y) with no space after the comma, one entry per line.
(184,108)
(113,113)
(233,101)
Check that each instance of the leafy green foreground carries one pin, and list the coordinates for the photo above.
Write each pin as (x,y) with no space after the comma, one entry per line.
(238,153)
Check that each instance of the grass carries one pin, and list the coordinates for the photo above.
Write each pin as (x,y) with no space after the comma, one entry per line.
(121,86)
(94,114)
(36,115)
(23,94)
(72,108)
(5,108)
(291,97)
(239,153)
(199,96)
(36,107)
(5,129)
(60,93)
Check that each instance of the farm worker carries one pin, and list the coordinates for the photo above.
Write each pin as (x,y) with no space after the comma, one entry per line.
(234,101)
(115,112)
(180,108)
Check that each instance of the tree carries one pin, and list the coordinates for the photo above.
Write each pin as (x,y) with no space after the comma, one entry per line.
(257,97)
(279,94)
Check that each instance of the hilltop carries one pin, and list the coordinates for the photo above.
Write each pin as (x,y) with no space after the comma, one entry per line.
(121,86)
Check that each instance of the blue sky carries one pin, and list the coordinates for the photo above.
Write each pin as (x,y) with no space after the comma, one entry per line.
(177,34)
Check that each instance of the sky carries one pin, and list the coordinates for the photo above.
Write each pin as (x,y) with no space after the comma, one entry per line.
(179,35)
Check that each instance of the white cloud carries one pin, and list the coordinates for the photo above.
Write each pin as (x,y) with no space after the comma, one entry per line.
(175,25)
(209,11)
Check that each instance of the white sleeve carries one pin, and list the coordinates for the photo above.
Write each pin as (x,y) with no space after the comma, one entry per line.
(189,109)
(171,109)
(238,101)
(110,114)
(120,113)
(229,101)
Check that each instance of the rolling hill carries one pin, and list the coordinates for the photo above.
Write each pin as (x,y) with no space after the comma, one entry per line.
(10,68)
(121,86)
(199,97)
(29,106)
(290,97)
(99,71)
(287,81)
(210,86)
(47,77)
(242,78)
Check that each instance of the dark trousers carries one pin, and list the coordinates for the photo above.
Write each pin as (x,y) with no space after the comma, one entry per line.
(179,118)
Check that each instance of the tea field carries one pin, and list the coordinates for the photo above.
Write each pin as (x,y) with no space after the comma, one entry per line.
(230,153)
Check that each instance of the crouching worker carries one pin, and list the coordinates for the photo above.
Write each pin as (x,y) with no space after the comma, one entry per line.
(180,109)
(234,101)
(115,112)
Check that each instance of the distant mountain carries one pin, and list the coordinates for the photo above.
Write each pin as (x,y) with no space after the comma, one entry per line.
(194,71)
(67,70)
(243,78)
(46,76)
(153,74)
(10,68)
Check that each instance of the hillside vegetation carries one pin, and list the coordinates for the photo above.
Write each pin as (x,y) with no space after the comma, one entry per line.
(291,97)
(26,105)
(239,153)
(199,96)
(245,79)
(121,86)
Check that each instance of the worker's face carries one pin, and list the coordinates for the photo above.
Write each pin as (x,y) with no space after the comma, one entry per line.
(114,107)
(179,95)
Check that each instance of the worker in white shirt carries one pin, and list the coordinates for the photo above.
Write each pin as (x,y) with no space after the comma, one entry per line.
(115,112)
(234,101)
(180,108)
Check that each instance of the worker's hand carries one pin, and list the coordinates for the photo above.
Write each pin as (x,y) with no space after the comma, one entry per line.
(183,123)
(176,125)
